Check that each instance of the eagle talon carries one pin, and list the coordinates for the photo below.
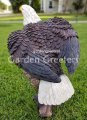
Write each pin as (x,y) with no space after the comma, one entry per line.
(45,111)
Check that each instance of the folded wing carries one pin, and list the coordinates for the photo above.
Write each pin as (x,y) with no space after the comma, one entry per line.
(21,51)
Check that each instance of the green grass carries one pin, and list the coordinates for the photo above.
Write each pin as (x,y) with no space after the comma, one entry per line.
(44,17)
(16,92)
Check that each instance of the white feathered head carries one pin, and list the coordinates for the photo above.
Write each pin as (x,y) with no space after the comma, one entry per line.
(29,14)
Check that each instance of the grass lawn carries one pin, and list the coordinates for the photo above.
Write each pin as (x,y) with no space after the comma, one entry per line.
(16,92)
(44,17)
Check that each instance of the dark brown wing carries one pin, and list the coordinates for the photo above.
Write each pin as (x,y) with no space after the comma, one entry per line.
(21,49)
(55,34)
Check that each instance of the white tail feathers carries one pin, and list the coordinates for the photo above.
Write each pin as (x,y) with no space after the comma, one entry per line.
(55,93)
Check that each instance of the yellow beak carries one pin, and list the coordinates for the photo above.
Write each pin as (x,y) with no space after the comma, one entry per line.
(20,8)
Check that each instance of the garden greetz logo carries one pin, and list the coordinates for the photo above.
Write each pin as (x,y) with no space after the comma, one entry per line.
(46,59)
(46,51)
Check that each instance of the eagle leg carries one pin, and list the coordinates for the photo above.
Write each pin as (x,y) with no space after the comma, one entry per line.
(44,110)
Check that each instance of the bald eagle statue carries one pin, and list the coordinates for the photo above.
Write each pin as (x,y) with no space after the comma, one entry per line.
(39,49)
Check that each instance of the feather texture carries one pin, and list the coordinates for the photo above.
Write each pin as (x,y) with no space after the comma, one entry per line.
(55,34)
